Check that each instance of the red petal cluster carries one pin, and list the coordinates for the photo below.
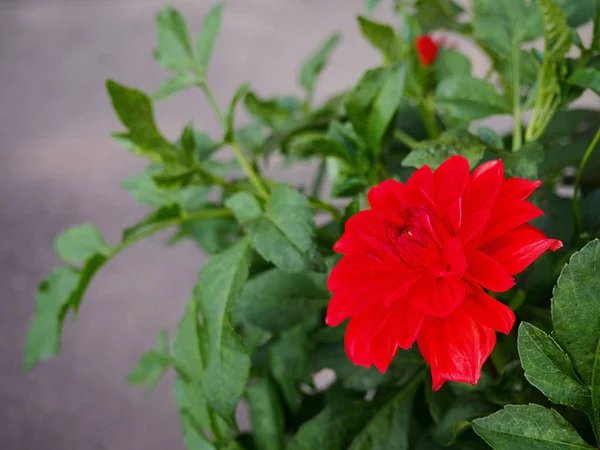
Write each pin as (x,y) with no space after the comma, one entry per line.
(427,50)
(416,264)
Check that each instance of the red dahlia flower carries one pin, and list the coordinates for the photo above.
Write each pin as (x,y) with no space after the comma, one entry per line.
(415,267)
(427,49)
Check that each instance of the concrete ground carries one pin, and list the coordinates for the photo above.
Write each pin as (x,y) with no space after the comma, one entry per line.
(59,168)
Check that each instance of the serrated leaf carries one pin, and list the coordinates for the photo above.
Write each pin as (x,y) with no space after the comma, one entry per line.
(134,109)
(230,119)
(266,416)
(528,426)
(467,98)
(450,62)
(174,50)
(152,365)
(172,86)
(548,368)
(79,243)
(587,78)
(283,234)
(205,41)
(219,286)
(385,106)
(434,153)
(276,300)
(314,65)
(382,37)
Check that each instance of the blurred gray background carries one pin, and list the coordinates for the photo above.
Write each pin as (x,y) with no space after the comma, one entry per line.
(59,167)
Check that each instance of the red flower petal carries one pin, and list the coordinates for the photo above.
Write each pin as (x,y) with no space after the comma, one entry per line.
(450,180)
(488,311)
(472,227)
(427,50)
(518,189)
(488,272)
(388,198)
(419,188)
(437,297)
(517,249)
(485,185)
(455,347)
(506,216)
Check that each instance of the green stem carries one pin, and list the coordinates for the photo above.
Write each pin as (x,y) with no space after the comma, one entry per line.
(584,160)
(405,139)
(516,91)
(319,178)
(212,103)
(426,108)
(317,204)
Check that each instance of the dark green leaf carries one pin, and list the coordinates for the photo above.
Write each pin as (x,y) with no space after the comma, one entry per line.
(450,62)
(385,106)
(587,78)
(134,109)
(79,243)
(578,12)
(382,37)
(467,98)
(251,137)
(272,112)
(266,415)
(314,144)
(152,365)
(164,214)
(490,138)
(219,286)
(315,64)
(549,369)
(525,162)
(434,153)
(530,427)
(174,49)
(212,235)
(198,144)
(245,206)
(276,300)
(172,86)
(359,102)
(229,121)
(205,41)
(434,15)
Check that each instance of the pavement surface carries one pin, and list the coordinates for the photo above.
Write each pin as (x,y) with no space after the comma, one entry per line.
(59,167)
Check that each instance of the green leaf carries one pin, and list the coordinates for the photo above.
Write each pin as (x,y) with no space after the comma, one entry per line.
(314,65)
(152,365)
(163,215)
(434,15)
(79,243)
(490,137)
(524,163)
(587,78)
(359,101)
(548,368)
(450,62)
(371,5)
(52,302)
(212,235)
(528,426)
(459,415)
(283,234)
(385,106)
(266,416)
(230,119)
(192,437)
(172,86)
(434,153)
(558,37)
(134,109)
(316,144)
(205,41)
(276,300)
(219,286)
(272,112)
(382,37)
(174,49)
(467,98)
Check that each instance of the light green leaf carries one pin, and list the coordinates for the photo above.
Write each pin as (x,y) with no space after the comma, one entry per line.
(314,65)
(434,153)
(587,78)
(272,112)
(316,144)
(174,49)
(152,365)
(172,86)
(524,163)
(283,234)
(450,62)
(52,303)
(79,243)
(359,101)
(276,300)
(548,368)
(134,109)
(530,427)
(192,437)
(219,286)
(371,5)
(230,119)
(490,137)
(558,37)
(467,98)
(266,416)
(382,37)
(385,106)
(205,41)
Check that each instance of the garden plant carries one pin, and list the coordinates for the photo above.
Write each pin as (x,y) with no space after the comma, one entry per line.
(435,285)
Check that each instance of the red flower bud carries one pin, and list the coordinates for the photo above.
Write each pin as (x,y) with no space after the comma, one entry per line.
(416,264)
(427,50)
